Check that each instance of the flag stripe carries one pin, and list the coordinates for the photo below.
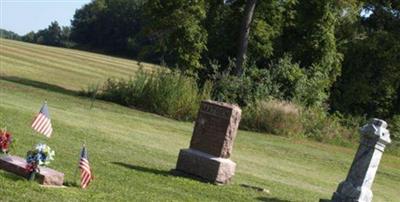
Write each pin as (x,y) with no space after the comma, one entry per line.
(48,131)
(44,126)
(35,121)
(42,123)
(86,173)
(38,120)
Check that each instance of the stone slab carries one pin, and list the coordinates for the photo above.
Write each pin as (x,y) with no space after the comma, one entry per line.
(208,167)
(46,176)
(215,128)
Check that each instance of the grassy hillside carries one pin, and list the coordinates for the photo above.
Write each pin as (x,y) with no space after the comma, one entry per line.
(131,152)
(71,69)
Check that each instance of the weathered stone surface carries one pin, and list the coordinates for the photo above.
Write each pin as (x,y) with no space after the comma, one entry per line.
(208,167)
(17,165)
(212,143)
(357,186)
(215,128)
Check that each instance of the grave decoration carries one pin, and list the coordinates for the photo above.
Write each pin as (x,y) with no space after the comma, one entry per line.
(5,141)
(33,167)
(40,156)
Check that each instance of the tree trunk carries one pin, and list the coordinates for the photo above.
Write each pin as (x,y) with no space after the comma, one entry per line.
(244,36)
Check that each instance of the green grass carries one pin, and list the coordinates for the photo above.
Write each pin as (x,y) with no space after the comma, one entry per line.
(132,152)
(68,68)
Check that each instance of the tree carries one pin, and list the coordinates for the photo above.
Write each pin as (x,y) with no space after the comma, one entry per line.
(244,35)
(175,30)
(52,35)
(370,83)
(111,26)
(29,37)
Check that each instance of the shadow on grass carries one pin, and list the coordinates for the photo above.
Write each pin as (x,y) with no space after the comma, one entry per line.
(143,169)
(38,84)
(71,184)
(12,176)
(173,172)
(271,199)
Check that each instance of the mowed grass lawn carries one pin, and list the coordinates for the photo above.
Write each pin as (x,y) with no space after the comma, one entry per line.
(131,152)
(68,68)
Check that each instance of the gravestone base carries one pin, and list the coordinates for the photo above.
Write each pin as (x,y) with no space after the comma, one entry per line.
(46,176)
(210,168)
(346,192)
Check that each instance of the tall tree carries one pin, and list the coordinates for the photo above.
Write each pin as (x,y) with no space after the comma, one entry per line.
(110,25)
(49,36)
(176,32)
(244,36)
(370,83)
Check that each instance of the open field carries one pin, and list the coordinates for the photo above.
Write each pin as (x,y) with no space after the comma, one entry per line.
(71,69)
(132,152)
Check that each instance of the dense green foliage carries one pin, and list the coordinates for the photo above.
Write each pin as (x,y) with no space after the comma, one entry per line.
(175,31)
(111,26)
(163,92)
(370,83)
(201,37)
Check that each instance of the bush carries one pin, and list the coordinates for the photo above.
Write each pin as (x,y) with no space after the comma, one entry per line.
(288,119)
(321,126)
(276,117)
(255,84)
(168,93)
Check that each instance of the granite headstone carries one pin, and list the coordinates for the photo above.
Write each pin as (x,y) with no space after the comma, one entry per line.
(357,186)
(212,143)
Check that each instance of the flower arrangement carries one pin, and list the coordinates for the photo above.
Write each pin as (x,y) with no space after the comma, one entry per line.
(40,156)
(5,141)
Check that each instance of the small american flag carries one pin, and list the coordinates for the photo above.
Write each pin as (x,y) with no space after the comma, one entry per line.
(86,172)
(42,122)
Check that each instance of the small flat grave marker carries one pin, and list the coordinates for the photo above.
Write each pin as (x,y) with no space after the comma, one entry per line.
(46,176)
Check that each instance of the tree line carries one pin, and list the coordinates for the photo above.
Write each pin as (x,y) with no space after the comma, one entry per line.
(343,56)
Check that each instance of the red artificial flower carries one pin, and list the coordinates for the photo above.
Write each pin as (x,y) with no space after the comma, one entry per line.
(31,167)
(5,141)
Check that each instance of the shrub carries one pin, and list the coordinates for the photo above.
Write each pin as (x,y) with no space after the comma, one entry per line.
(323,127)
(300,85)
(168,93)
(289,76)
(276,117)
(255,84)
(291,120)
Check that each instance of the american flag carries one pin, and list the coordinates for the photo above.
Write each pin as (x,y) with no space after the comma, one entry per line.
(42,122)
(86,172)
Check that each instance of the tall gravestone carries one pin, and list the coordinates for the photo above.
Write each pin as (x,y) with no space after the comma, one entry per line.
(212,142)
(357,186)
